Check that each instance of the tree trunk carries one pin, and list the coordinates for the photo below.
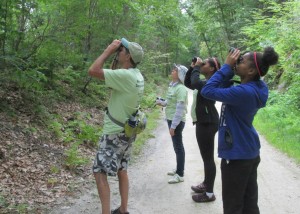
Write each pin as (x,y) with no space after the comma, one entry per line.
(91,10)
(21,28)
(4,35)
(206,43)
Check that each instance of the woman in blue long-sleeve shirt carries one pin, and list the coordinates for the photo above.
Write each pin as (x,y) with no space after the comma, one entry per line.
(239,143)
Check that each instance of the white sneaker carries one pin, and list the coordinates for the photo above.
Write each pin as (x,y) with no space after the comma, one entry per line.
(172,172)
(176,179)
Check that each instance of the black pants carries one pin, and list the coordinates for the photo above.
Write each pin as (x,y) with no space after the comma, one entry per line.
(205,134)
(239,186)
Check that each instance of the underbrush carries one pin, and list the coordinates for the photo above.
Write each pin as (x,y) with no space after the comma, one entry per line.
(45,98)
(61,117)
(153,117)
(279,123)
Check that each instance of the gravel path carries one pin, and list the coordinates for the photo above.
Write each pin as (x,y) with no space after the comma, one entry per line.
(278,177)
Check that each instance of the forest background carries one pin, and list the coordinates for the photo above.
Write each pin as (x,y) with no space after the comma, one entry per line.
(51,111)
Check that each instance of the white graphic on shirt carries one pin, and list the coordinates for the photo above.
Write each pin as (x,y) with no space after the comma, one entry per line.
(222,117)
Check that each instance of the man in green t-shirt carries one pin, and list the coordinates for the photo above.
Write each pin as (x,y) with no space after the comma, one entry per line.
(127,87)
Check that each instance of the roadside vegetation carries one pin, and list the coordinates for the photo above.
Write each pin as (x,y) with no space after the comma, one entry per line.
(282,128)
(53,135)
(51,112)
(279,121)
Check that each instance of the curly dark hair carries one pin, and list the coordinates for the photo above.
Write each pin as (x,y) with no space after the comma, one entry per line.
(263,61)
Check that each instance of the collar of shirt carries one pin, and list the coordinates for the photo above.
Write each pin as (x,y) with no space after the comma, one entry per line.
(172,84)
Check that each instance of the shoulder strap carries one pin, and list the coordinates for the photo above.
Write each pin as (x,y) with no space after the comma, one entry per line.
(116,121)
(113,119)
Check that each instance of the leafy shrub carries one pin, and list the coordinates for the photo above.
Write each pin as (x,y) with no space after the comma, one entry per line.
(73,158)
(278,123)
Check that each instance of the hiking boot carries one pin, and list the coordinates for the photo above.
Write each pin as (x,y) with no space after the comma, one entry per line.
(199,188)
(202,198)
(172,172)
(176,179)
(117,211)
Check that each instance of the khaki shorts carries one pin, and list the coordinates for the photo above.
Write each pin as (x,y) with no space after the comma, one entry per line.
(113,154)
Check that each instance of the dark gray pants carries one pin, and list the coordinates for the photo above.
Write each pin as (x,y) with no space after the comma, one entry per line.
(178,147)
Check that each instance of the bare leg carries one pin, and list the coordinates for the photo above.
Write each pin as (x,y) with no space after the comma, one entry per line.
(124,189)
(103,191)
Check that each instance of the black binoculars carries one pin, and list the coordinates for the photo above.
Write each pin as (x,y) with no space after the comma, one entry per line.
(159,98)
(231,49)
(194,60)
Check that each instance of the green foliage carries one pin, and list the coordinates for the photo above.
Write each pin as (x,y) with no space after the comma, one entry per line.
(3,202)
(19,208)
(47,46)
(277,25)
(22,208)
(279,123)
(56,128)
(151,90)
(283,133)
(153,117)
(73,158)
(30,130)
(218,24)
(83,132)
(54,169)
(5,207)
(75,130)
(52,181)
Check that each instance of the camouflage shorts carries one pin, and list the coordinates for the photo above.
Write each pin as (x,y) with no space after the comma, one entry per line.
(113,154)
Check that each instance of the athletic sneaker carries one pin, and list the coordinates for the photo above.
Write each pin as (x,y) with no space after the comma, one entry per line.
(117,211)
(172,172)
(202,197)
(176,179)
(199,188)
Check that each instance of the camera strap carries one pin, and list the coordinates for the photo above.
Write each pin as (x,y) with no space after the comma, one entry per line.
(113,119)
(115,62)
(116,121)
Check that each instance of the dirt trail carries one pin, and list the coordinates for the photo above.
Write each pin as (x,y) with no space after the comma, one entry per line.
(278,177)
